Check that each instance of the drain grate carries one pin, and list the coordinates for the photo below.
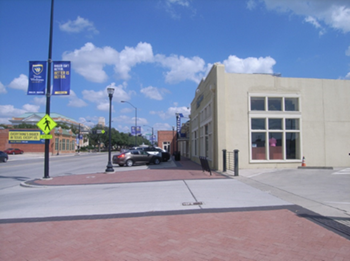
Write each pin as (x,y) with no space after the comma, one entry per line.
(192,203)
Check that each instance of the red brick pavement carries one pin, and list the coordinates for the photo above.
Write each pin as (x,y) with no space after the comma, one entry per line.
(256,235)
(186,170)
(238,235)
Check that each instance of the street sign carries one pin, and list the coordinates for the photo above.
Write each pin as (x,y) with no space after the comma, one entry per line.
(46,137)
(46,124)
(100,131)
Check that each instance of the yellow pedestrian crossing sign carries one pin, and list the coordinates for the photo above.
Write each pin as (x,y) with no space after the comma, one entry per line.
(46,124)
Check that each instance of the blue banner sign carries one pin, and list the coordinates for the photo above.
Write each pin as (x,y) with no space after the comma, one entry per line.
(37,78)
(61,78)
(135,130)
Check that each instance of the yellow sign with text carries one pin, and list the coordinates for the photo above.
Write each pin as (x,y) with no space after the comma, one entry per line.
(46,137)
(46,124)
(24,135)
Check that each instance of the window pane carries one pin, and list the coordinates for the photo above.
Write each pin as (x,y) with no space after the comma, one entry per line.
(275,124)
(291,104)
(258,124)
(292,124)
(275,145)
(257,103)
(258,146)
(292,145)
(275,104)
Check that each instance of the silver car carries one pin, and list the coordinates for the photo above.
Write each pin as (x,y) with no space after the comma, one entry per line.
(132,157)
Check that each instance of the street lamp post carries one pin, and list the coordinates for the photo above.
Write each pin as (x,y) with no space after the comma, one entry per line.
(135,120)
(152,134)
(110,92)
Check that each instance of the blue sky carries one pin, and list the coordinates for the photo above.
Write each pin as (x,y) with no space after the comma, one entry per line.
(155,52)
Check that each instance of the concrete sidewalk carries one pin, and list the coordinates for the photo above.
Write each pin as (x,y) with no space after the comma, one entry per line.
(177,213)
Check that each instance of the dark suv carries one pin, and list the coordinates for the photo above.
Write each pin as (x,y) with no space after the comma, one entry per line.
(132,157)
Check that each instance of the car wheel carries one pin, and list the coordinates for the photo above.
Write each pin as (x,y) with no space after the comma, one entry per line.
(13,153)
(4,160)
(156,161)
(129,163)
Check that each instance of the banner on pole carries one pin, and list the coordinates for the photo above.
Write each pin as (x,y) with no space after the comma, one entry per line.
(135,130)
(37,78)
(61,78)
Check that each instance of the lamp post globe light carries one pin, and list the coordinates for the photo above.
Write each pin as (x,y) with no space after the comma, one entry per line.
(110,92)
(135,120)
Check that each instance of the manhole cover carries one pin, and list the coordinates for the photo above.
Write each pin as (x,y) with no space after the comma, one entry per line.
(192,203)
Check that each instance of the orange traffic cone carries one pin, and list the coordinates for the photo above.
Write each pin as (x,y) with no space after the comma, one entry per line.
(303,162)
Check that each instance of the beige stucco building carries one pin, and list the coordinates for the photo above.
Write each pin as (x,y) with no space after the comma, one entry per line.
(273,121)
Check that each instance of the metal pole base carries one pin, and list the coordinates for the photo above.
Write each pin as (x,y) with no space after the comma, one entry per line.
(109,167)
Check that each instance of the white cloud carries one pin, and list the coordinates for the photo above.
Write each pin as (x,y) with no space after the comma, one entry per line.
(335,13)
(347,77)
(31,107)
(78,25)
(89,61)
(315,23)
(2,88)
(171,7)
(249,65)
(10,111)
(129,57)
(101,97)
(154,92)
(74,101)
(20,83)
(251,4)
(182,68)
(171,112)
(39,101)
(161,126)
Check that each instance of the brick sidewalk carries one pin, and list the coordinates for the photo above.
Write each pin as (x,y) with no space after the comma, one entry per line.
(185,170)
(265,233)
(245,235)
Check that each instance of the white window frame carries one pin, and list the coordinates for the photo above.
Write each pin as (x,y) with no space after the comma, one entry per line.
(266,114)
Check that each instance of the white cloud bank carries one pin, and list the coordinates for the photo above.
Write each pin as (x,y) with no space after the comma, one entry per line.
(20,83)
(333,13)
(249,65)
(78,25)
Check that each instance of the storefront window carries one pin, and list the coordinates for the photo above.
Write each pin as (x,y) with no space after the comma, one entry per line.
(258,124)
(63,144)
(275,104)
(275,124)
(275,146)
(292,124)
(258,146)
(257,103)
(292,145)
(275,137)
(291,104)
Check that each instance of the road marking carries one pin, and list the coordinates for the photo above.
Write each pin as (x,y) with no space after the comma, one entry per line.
(342,172)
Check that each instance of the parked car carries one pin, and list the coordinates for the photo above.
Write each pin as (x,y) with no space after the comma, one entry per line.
(13,151)
(132,157)
(165,154)
(3,157)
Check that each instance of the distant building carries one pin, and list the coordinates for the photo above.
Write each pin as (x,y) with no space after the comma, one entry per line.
(101,121)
